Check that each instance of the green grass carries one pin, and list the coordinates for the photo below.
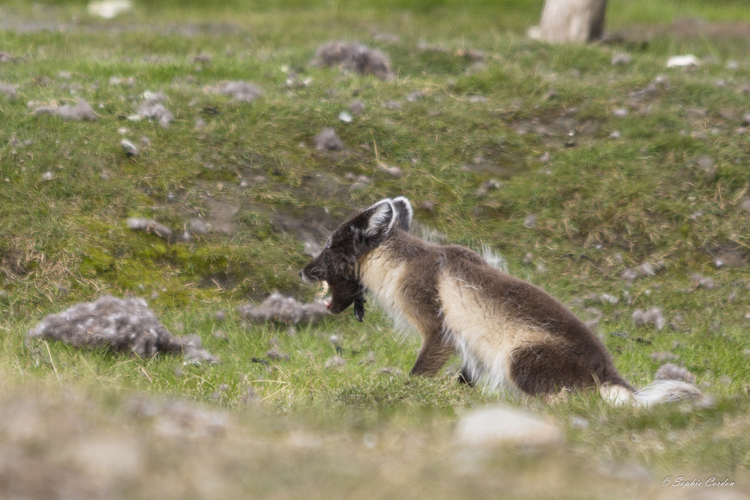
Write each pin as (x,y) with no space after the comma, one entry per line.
(603,205)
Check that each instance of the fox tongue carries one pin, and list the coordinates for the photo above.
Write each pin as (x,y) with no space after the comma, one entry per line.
(359,310)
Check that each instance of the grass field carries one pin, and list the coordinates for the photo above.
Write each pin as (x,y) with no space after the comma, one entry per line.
(619,165)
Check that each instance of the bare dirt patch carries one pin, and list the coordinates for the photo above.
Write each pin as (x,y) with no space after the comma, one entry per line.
(221,215)
(313,227)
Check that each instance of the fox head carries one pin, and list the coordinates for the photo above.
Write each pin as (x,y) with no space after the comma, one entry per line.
(338,263)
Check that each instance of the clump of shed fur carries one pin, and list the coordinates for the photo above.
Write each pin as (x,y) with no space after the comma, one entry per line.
(328,140)
(123,325)
(671,371)
(81,111)
(277,308)
(355,57)
(240,91)
(152,108)
(8,89)
(149,226)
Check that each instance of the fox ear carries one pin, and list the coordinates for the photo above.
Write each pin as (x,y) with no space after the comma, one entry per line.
(404,213)
(380,218)
(375,224)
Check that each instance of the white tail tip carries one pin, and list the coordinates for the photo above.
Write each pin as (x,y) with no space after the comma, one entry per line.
(661,391)
(616,394)
(666,391)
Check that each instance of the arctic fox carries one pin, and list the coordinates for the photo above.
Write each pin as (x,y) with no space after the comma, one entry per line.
(509,334)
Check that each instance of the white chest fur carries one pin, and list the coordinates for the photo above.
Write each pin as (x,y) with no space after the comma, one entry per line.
(383,277)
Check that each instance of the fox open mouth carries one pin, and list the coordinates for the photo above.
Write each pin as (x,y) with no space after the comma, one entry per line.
(338,302)
(345,293)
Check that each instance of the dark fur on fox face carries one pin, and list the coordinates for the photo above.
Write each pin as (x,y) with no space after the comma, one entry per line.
(338,263)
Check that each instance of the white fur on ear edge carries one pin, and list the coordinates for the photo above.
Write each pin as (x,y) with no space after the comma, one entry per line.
(402,200)
(380,215)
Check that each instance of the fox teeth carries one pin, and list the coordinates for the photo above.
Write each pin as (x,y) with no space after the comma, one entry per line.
(323,291)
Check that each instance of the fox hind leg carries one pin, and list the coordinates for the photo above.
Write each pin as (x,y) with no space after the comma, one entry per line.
(465,377)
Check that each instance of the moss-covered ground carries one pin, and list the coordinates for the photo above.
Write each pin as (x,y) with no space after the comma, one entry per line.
(572,168)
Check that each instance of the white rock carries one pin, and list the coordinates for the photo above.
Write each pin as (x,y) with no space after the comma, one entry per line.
(682,61)
(109,8)
(499,425)
(129,147)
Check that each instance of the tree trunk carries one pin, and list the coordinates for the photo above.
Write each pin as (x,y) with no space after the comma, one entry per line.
(576,21)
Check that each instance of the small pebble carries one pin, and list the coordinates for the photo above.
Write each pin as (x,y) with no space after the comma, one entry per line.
(129,147)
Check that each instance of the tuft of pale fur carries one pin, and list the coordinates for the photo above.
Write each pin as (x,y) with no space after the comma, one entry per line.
(81,111)
(355,57)
(240,91)
(327,140)
(277,308)
(152,108)
(8,90)
(494,259)
(670,371)
(123,325)
(149,226)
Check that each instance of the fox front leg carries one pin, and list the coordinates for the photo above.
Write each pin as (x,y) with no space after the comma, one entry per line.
(433,354)
(359,309)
